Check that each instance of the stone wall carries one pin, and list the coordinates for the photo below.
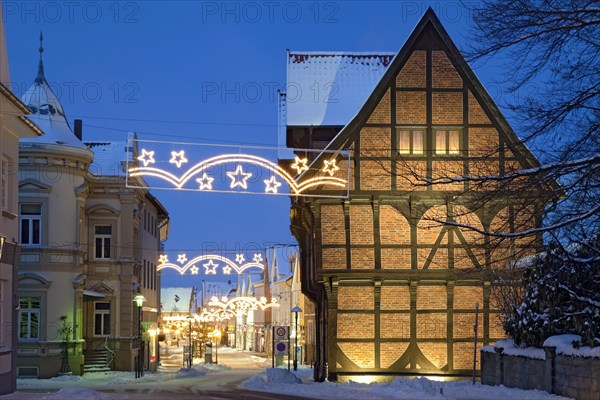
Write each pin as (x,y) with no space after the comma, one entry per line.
(577,377)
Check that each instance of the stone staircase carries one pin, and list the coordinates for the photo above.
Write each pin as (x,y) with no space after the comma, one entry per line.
(170,362)
(95,361)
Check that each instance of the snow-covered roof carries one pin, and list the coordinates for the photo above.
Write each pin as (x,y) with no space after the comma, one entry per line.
(329,88)
(47,112)
(109,158)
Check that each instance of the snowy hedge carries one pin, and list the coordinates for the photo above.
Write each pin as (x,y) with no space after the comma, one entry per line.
(561,295)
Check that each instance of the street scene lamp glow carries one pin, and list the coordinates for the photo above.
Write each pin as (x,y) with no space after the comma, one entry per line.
(296,310)
(139,300)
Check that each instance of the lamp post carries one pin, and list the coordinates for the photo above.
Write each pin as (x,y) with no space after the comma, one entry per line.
(296,310)
(190,318)
(217,334)
(139,300)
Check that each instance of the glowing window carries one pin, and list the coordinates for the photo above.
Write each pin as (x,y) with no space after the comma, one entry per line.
(447,141)
(411,141)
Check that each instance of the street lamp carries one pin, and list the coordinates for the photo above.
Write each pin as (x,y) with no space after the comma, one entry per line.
(296,310)
(139,300)
(190,318)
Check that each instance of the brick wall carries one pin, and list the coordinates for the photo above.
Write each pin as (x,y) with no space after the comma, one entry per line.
(355,326)
(362,354)
(411,108)
(394,325)
(333,228)
(431,297)
(381,114)
(361,224)
(363,258)
(443,73)
(390,352)
(465,297)
(394,228)
(431,326)
(375,175)
(413,72)
(356,298)
(463,355)
(476,113)
(446,108)
(334,258)
(395,298)
(464,323)
(437,353)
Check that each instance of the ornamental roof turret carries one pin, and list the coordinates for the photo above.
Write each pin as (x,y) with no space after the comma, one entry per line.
(47,112)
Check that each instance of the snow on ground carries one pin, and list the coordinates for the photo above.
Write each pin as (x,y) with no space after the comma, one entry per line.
(281,381)
(90,386)
(511,349)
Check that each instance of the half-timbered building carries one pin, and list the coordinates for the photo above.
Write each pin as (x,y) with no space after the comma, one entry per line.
(398,268)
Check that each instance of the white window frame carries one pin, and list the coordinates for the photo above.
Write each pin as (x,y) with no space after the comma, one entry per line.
(31,219)
(103,314)
(104,245)
(30,311)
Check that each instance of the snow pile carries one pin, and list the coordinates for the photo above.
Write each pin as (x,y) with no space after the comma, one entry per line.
(271,377)
(511,349)
(400,388)
(568,345)
(214,367)
(189,373)
(77,393)
(65,378)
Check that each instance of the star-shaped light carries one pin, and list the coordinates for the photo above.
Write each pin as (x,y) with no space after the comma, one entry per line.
(162,259)
(205,182)
(257,258)
(178,158)
(194,270)
(239,178)
(239,258)
(330,167)
(224,299)
(211,267)
(181,258)
(271,185)
(227,270)
(147,157)
(300,165)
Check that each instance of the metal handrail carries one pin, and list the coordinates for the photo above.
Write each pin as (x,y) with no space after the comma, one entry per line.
(111,355)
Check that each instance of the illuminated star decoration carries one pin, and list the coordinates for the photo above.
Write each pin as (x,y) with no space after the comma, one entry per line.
(300,165)
(271,185)
(194,270)
(330,167)
(239,178)
(147,157)
(227,270)
(239,258)
(211,267)
(205,182)
(257,258)
(178,158)
(163,259)
(181,258)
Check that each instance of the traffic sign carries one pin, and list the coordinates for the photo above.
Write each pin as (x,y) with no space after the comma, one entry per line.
(281,333)
(281,348)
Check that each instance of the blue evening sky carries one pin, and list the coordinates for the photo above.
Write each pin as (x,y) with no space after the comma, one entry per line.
(205,72)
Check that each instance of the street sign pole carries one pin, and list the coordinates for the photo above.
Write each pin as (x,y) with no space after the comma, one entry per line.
(273,348)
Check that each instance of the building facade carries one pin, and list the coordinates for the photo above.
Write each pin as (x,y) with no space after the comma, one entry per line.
(13,126)
(395,271)
(89,245)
